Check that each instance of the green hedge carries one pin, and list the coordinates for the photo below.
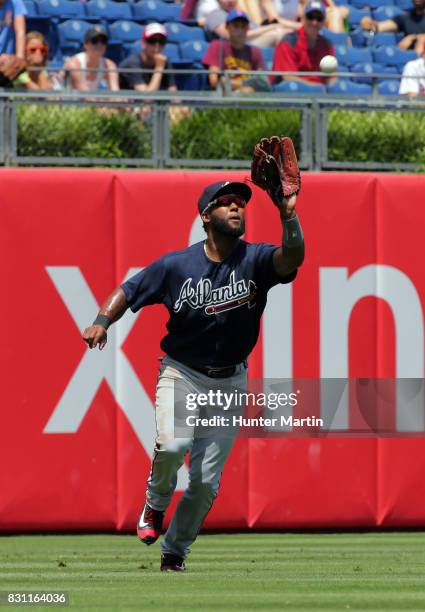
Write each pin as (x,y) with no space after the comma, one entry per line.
(216,134)
(81,132)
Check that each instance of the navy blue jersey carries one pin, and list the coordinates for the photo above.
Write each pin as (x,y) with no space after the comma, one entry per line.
(215,307)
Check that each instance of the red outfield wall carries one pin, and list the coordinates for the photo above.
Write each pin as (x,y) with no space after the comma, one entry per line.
(77,426)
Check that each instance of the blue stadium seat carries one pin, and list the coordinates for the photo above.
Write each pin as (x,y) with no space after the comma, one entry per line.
(388,87)
(179,33)
(345,87)
(393,56)
(155,10)
(342,2)
(386,12)
(359,37)
(71,35)
(115,51)
(372,4)
(299,87)
(126,32)
(108,10)
(383,39)
(352,55)
(268,55)
(405,5)
(194,50)
(366,68)
(62,9)
(336,38)
(356,15)
(31,7)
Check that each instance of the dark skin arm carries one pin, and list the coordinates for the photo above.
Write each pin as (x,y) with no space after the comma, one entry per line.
(113,307)
(287,260)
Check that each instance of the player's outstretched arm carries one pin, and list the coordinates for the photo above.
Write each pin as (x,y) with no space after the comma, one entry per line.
(291,254)
(111,310)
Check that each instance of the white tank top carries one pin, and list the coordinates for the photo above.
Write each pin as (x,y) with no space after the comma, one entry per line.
(92,84)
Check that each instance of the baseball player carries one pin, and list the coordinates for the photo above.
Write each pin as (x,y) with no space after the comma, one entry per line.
(215,292)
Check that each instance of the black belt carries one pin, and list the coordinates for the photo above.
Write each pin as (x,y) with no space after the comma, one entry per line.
(215,372)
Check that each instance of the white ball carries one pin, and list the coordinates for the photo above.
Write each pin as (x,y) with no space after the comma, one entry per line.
(328,64)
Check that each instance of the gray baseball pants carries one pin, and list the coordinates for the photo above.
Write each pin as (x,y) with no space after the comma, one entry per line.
(207,458)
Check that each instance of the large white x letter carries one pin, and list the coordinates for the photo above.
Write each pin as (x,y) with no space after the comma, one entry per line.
(112,365)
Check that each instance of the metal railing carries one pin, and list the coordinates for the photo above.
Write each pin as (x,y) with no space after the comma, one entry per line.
(151,141)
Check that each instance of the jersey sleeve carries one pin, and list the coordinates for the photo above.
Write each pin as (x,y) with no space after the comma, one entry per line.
(212,55)
(258,60)
(265,272)
(146,287)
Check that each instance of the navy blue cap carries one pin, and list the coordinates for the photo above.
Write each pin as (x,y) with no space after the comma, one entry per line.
(214,191)
(233,15)
(315,6)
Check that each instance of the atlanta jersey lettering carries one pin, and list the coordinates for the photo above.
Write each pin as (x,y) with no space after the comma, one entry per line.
(215,307)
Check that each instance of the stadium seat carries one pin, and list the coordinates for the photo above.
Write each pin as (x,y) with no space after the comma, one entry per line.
(393,56)
(345,87)
(336,38)
(388,87)
(359,37)
(179,33)
(372,4)
(386,12)
(194,50)
(299,87)
(352,55)
(366,68)
(156,10)
(342,2)
(62,9)
(126,32)
(405,5)
(71,35)
(383,39)
(115,51)
(356,15)
(31,8)
(108,10)
(268,54)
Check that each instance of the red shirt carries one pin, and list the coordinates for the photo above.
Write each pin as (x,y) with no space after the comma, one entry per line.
(220,53)
(294,55)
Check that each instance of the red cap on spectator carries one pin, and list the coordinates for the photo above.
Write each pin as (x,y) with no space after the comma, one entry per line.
(154,29)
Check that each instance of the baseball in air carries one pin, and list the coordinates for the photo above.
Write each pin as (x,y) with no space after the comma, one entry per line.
(328,64)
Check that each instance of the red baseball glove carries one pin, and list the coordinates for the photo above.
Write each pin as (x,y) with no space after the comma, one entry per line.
(274,168)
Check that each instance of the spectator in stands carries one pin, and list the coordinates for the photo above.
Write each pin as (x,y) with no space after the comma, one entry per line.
(413,81)
(36,55)
(410,23)
(199,9)
(302,51)
(151,58)
(12,27)
(90,70)
(235,54)
(260,36)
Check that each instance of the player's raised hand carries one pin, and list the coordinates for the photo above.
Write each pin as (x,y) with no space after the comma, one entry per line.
(95,335)
(287,207)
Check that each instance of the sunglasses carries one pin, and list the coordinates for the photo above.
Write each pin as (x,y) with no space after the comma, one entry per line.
(226,200)
(156,41)
(42,49)
(315,17)
(98,41)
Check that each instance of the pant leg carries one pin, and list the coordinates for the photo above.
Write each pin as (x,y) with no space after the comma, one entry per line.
(169,452)
(206,465)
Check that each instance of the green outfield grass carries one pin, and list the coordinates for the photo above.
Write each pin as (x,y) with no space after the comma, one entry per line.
(363,571)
